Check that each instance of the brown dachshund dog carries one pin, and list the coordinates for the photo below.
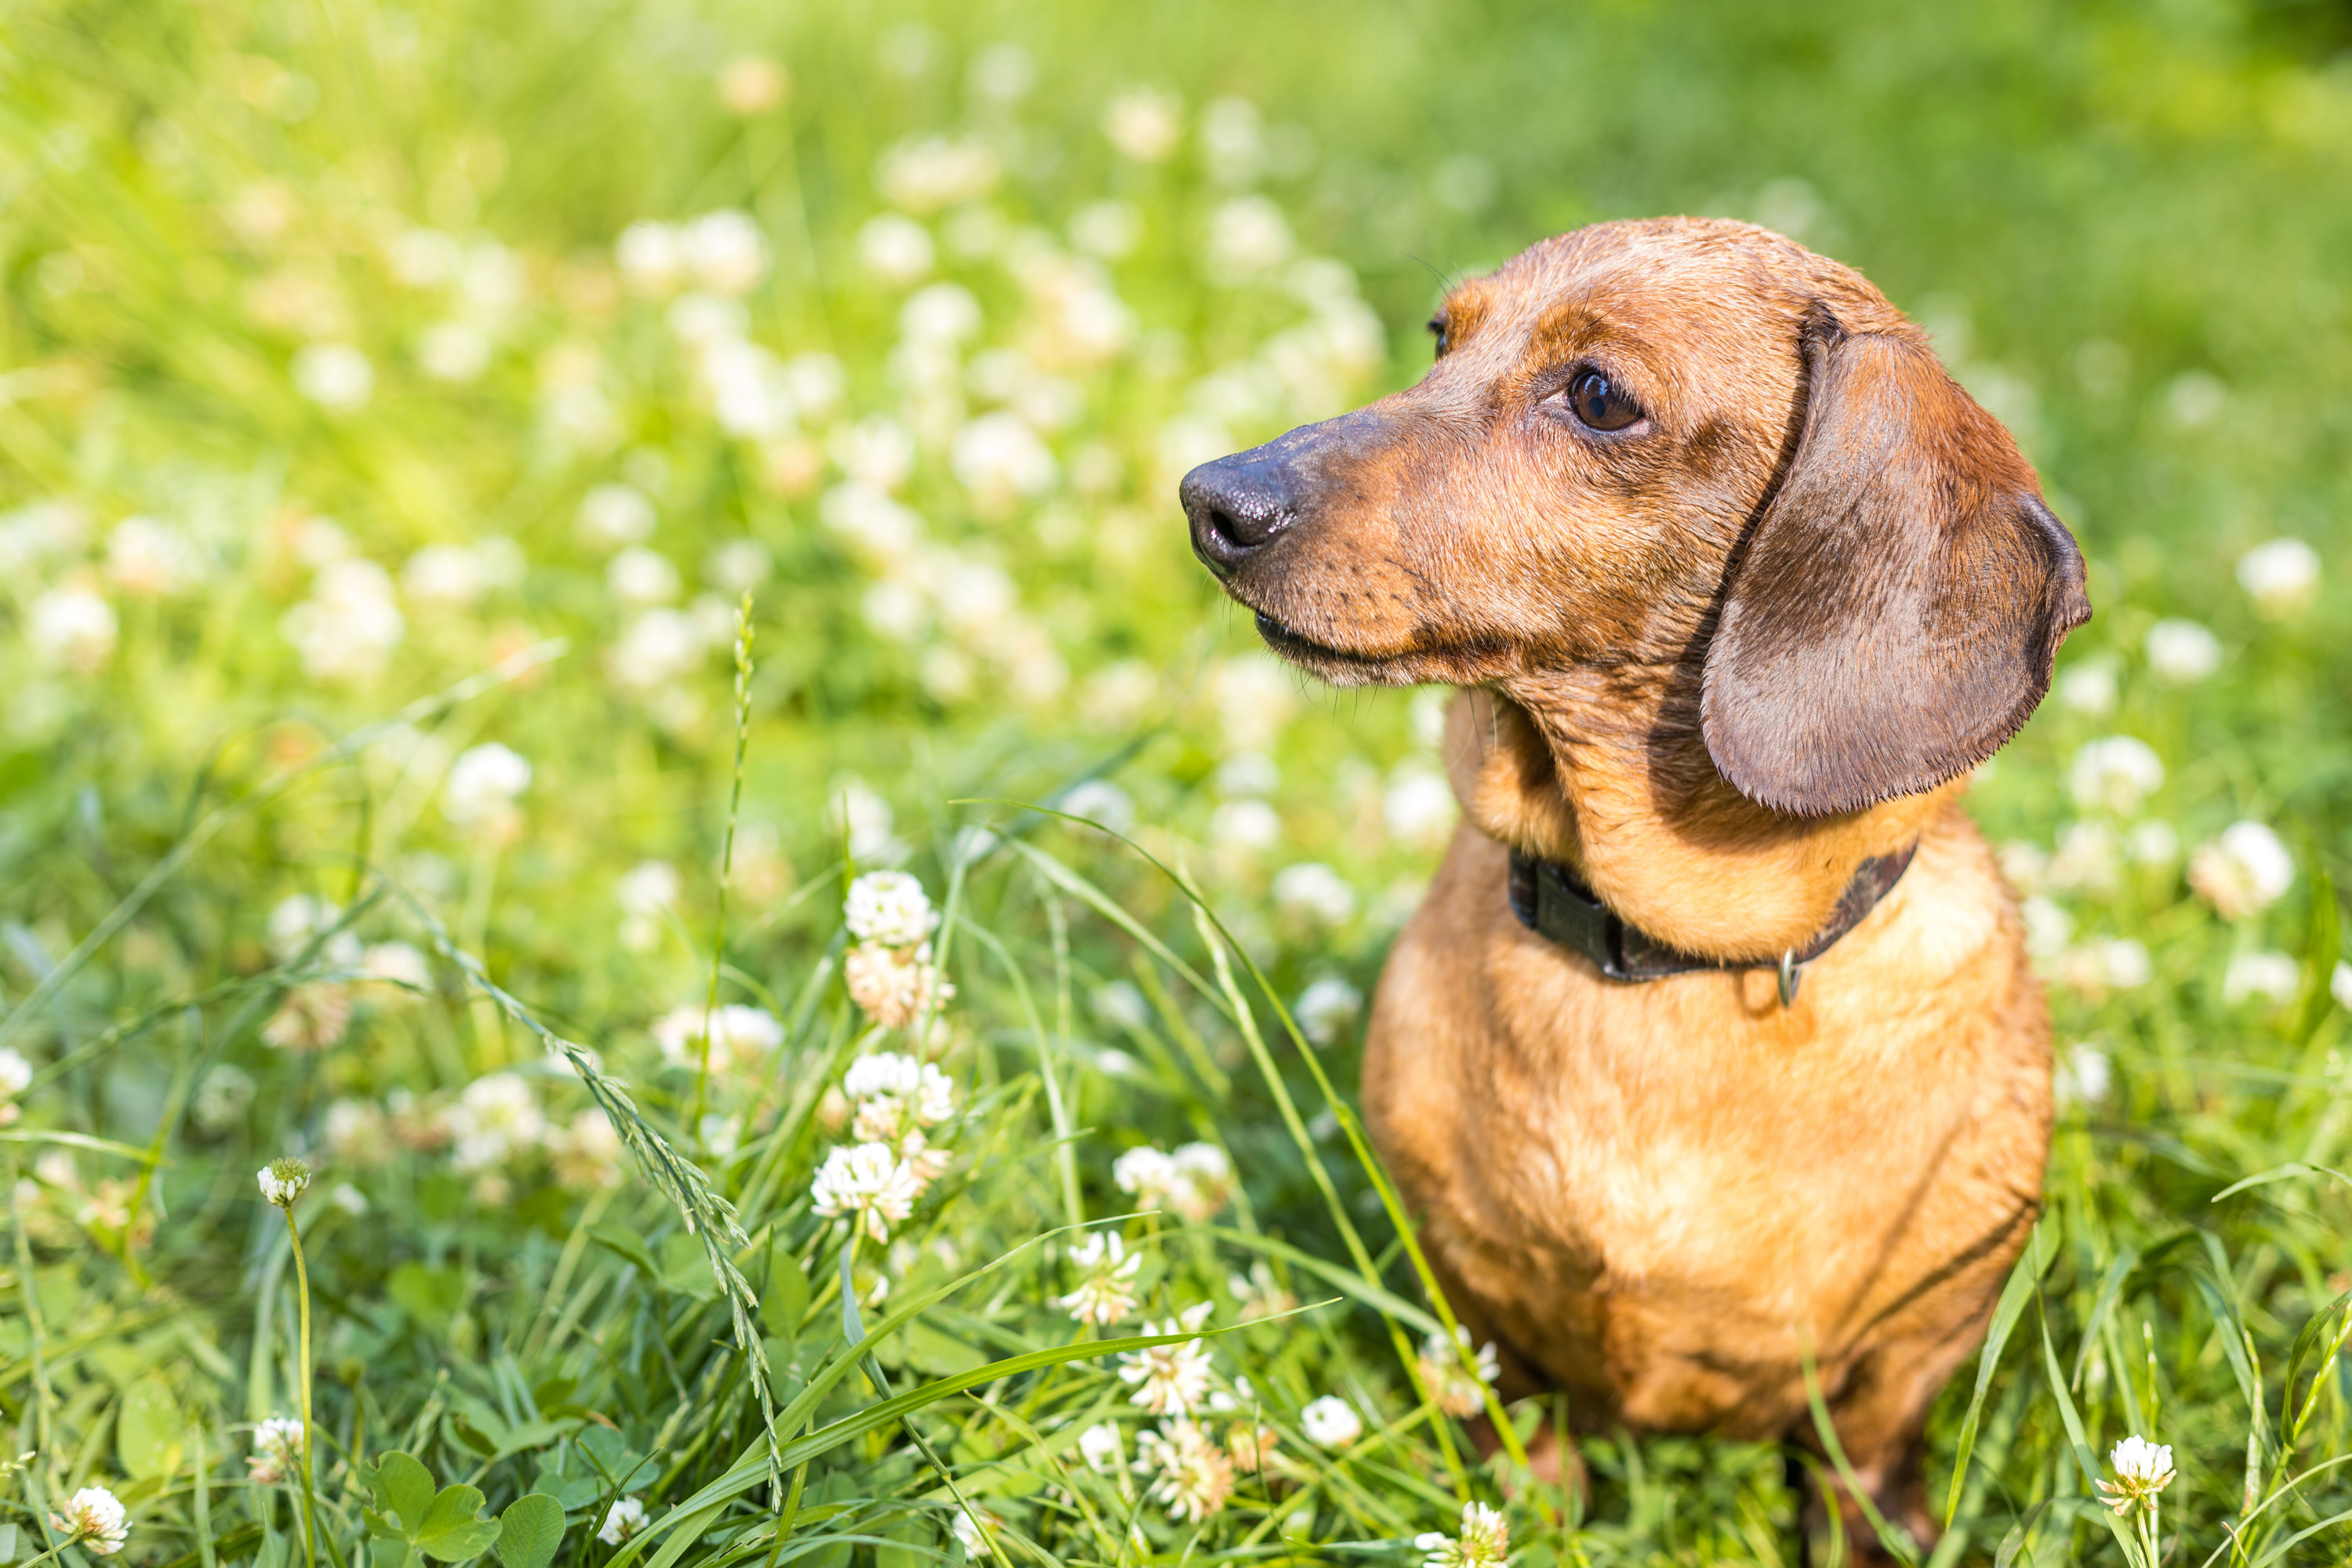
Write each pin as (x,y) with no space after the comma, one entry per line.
(1715,1042)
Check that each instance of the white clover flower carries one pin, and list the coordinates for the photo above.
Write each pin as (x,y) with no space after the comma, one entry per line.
(897,1094)
(724,252)
(1330,1422)
(399,968)
(283,1181)
(2142,1470)
(894,985)
(586,1155)
(2273,976)
(2339,984)
(483,784)
(2115,773)
(1146,1173)
(2195,397)
(277,1450)
(853,811)
(740,1035)
(2083,1074)
(752,84)
(16,1077)
(335,377)
(445,573)
(942,314)
(869,1183)
(1194,1182)
(2244,873)
(299,920)
(2048,927)
(94,1521)
(1005,72)
(453,351)
(1100,800)
(1246,825)
(72,628)
(627,1517)
(2183,652)
(1110,229)
(1260,1294)
(1144,125)
(929,1164)
(1106,1290)
(1203,1181)
(2152,842)
(1119,1004)
(1233,140)
(644,892)
(882,1074)
(498,1115)
(310,1018)
(2105,964)
(1459,1390)
(613,515)
(222,1099)
(148,559)
(889,908)
(1484,1542)
(1315,891)
(1248,237)
(1195,1475)
(32,536)
(1325,1008)
(358,1133)
(1419,808)
(348,626)
(976,599)
(2089,857)
(2088,686)
(639,577)
(1170,1379)
(925,175)
(898,250)
(973,1536)
(999,458)
(1102,1448)
(2280,575)
(657,647)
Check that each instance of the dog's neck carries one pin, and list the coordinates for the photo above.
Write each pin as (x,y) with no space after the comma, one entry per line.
(1605,770)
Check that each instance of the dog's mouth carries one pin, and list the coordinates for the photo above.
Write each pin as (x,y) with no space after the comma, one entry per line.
(1458,664)
(1296,644)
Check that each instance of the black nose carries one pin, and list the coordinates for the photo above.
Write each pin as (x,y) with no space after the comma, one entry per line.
(1235,504)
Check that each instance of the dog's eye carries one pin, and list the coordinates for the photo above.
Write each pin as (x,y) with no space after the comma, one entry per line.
(1600,403)
(1437,329)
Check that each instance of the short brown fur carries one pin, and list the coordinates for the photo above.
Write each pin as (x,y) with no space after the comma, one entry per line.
(1657,1196)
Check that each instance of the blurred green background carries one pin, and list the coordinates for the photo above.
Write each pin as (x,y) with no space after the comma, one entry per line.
(349,351)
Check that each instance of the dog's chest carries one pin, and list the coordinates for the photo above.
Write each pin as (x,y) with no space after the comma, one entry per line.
(1657,1177)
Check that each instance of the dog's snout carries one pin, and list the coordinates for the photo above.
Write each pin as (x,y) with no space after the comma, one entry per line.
(1236,504)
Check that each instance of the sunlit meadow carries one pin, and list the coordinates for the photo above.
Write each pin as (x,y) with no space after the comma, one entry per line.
(650,917)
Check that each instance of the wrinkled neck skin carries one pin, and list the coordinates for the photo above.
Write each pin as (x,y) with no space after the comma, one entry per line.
(1605,769)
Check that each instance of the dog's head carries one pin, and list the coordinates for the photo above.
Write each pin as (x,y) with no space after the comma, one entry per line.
(1668,442)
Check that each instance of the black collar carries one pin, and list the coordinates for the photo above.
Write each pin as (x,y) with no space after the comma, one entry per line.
(1553,901)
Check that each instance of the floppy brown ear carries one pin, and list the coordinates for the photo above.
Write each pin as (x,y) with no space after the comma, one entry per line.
(1893,615)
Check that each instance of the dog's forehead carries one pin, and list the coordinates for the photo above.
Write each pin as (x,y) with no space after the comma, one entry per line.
(1681,278)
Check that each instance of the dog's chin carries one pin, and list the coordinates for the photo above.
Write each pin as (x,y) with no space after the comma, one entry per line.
(1340,665)
(1347,667)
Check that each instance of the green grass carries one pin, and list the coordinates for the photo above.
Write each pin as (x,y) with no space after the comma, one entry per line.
(2124,226)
